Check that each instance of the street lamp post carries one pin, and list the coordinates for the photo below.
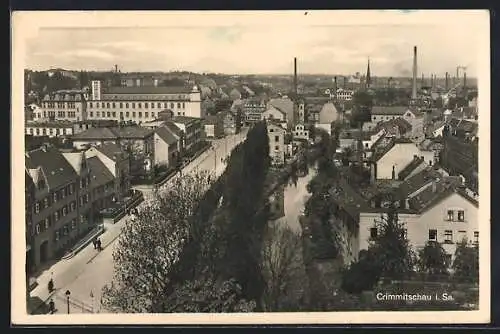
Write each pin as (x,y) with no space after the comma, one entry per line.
(68,293)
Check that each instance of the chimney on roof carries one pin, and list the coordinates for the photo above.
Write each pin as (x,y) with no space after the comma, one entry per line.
(414,84)
(295,76)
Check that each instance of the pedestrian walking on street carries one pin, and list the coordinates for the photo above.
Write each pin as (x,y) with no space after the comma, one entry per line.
(50,286)
(52,306)
(94,242)
(99,245)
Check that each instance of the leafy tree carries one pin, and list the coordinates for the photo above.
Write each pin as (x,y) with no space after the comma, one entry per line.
(433,260)
(362,106)
(466,263)
(149,245)
(207,294)
(280,264)
(362,275)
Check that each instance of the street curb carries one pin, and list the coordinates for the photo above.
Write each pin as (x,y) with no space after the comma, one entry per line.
(98,252)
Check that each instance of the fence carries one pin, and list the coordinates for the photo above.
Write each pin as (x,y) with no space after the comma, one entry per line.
(75,305)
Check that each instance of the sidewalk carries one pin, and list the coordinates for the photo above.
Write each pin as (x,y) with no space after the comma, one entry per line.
(66,271)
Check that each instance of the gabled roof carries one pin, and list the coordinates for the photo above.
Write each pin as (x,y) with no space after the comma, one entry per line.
(270,108)
(75,159)
(283,104)
(166,135)
(111,150)
(96,133)
(431,196)
(174,128)
(403,125)
(417,161)
(147,90)
(184,119)
(348,198)
(328,113)
(56,169)
(100,174)
(417,181)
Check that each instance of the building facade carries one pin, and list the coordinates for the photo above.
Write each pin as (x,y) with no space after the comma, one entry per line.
(61,211)
(64,105)
(143,103)
(252,110)
(276,137)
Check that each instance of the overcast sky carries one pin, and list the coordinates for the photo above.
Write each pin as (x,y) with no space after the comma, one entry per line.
(251,48)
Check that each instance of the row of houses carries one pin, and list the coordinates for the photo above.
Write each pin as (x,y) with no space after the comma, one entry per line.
(65,193)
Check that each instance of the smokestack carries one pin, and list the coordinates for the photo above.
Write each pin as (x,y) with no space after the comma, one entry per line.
(345,82)
(465,80)
(335,85)
(295,76)
(414,86)
(446,81)
(423,82)
(432,81)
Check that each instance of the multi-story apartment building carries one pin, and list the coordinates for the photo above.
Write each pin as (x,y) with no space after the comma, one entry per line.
(276,137)
(143,103)
(61,210)
(29,196)
(192,129)
(253,109)
(58,128)
(68,105)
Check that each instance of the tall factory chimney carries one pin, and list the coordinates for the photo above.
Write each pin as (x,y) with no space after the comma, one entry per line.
(335,85)
(414,83)
(295,76)
(446,81)
(465,80)
(423,82)
(345,82)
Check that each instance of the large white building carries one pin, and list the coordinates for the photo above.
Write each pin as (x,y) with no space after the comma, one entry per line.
(139,104)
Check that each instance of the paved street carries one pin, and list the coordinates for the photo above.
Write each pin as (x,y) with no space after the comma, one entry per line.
(89,270)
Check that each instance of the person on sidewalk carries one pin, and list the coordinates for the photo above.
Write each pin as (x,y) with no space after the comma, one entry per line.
(50,285)
(94,242)
(52,306)
(99,247)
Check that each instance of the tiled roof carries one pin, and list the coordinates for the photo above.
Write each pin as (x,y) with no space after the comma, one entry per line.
(417,181)
(100,174)
(75,159)
(431,196)
(285,105)
(147,90)
(174,128)
(57,170)
(417,161)
(382,148)
(328,113)
(111,150)
(348,198)
(132,132)
(96,133)
(403,125)
(164,133)
(396,110)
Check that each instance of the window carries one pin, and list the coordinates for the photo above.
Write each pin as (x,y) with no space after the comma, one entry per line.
(139,105)
(276,138)
(146,114)
(86,198)
(73,224)
(449,215)
(121,105)
(158,105)
(114,114)
(140,114)
(65,230)
(172,105)
(109,114)
(47,223)
(276,148)
(56,216)
(476,238)
(64,192)
(72,206)
(98,114)
(114,106)
(133,114)
(55,197)
(126,105)
(146,105)
(373,232)
(107,105)
(91,114)
(71,188)
(461,215)
(57,235)
(462,235)
(127,114)
(121,114)
(404,233)
(46,202)
(178,105)
(64,211)
(133,105)
(81,201)
(97,105)
(448,236)
(37,228)
(433,235)
(90,104)
(183,105)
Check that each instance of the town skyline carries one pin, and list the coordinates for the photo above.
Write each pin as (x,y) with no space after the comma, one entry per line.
(319,49)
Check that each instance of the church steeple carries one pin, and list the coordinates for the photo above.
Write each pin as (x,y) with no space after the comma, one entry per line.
(368,75)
